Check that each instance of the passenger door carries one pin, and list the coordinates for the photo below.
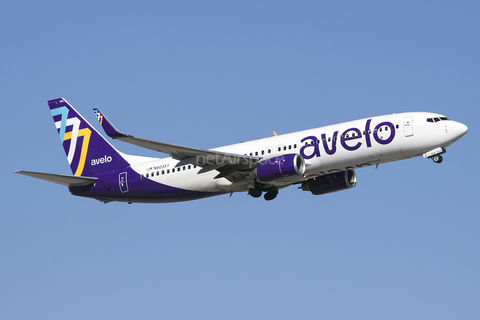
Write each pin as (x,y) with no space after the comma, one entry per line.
(408,126)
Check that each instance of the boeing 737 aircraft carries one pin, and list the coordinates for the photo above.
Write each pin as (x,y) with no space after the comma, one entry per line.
(319,160)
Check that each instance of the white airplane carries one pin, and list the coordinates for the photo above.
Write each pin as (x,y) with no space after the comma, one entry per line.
(320,160)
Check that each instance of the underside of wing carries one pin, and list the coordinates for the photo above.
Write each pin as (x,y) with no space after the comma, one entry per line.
(65,180)
(231,166)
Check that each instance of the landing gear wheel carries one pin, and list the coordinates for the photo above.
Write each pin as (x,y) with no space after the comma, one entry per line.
(437,159)
(270,195)
(256,193)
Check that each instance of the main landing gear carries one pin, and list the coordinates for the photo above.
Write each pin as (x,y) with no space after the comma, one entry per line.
(270,194)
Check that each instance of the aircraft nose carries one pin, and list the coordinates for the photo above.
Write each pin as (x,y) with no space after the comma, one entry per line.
(460,129)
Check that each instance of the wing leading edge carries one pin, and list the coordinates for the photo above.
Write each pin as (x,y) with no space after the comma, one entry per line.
(231,166)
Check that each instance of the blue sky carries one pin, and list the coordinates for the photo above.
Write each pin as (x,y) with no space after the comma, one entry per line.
(404,243)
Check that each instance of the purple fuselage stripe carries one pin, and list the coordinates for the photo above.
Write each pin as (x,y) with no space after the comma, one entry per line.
(107,188)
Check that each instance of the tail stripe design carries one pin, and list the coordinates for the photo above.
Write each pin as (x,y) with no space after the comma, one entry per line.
(73,137)
(85,133)
(75,123)
(62,124)
(88,153)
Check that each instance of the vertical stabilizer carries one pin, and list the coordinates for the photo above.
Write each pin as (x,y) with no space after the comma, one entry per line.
(87,151)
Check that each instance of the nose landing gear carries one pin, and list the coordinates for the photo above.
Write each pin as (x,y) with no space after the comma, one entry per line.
(435,155)
(437,158)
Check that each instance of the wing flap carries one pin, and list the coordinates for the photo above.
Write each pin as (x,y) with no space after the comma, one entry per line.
(65,180)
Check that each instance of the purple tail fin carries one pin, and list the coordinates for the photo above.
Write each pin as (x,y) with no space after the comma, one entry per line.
(88,153)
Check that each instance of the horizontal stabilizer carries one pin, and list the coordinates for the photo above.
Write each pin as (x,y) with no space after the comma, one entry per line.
(66,180)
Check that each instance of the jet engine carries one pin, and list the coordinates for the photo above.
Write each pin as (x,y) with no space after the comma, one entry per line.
(280,167)
(332,182)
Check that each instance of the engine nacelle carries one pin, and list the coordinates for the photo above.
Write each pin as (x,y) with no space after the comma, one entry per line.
(332,182)
(280,167)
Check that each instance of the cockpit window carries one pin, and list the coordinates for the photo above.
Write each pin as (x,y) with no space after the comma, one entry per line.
(437,119)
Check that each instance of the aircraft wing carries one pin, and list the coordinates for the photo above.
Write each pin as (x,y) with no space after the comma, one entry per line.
(66,180)
(228,164)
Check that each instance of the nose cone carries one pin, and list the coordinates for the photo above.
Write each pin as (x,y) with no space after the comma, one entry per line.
(459,130)
(462,129)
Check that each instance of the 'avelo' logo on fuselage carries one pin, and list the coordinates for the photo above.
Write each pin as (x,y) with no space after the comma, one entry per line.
(350,139)
(104,159)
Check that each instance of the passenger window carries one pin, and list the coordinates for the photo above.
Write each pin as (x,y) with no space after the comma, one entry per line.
(168,170)
(256,153)
(183,168)
(295,146)
(189,167)
(173,170)
(263,152)
(289,147)
(163,172)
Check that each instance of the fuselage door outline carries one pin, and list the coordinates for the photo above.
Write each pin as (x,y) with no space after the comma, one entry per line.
(122,182)
(408,126)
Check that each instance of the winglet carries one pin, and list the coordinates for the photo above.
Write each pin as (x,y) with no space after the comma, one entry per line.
(107,126)
(275,134)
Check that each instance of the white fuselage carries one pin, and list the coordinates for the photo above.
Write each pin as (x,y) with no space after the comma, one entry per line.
(348,145)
